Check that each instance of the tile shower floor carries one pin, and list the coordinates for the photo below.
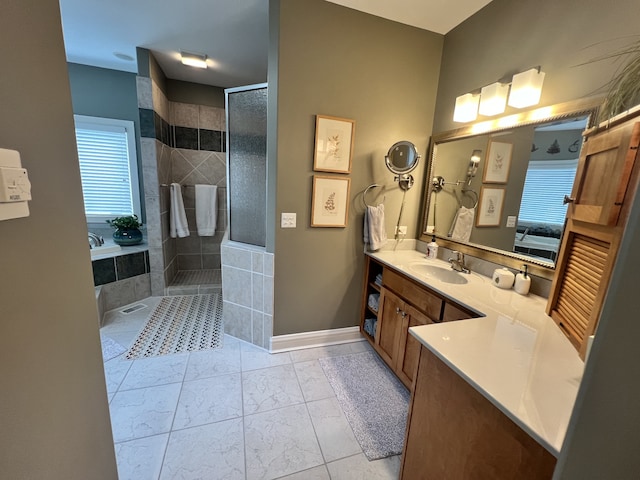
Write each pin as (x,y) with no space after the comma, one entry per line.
(192,282)
(236,412)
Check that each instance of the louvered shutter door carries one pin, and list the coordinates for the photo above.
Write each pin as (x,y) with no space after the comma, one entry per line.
(583,272)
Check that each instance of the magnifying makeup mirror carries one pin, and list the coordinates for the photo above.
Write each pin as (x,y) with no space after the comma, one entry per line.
(401,159)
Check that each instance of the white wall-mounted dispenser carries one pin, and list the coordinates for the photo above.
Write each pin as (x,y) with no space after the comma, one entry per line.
(15,188)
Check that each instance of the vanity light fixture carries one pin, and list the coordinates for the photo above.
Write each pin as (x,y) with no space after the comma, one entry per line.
(493,99)
(466,109)
(526,88)
(194,59)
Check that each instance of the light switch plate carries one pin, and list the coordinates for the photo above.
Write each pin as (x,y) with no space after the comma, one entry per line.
(287,220)
(511,220)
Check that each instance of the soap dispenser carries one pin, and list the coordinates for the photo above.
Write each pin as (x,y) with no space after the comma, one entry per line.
(432,248)
(523,282)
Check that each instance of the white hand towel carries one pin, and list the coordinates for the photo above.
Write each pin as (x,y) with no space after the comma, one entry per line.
(206,209)
(375,233)
(464,224)
(178,226)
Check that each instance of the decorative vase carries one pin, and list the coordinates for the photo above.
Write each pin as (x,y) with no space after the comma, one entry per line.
(127,236)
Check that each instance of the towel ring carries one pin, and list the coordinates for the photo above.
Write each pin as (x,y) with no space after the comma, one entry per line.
(364,195)
(475,195)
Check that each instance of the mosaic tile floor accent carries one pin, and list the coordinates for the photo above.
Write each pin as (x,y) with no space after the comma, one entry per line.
(182,323)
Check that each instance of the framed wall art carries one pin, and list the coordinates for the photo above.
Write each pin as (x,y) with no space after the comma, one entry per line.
(330,201)
(334,144)
(498,163)
(490,206)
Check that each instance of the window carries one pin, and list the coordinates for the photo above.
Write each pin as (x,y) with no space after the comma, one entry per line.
(108,167)
(544,189)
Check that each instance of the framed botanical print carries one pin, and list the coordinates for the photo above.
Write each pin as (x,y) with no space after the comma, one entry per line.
(334,144)
(490,206)
(330,201)
(498,163)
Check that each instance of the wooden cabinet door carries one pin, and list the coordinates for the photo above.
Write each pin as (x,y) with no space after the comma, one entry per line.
(603,174)
(388,331)
(409,350)
(455,433)
(606,183)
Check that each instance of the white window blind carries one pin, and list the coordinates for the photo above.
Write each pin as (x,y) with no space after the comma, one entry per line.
(108,167)
(546,184)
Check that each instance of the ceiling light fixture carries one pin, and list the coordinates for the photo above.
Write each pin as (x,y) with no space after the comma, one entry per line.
(526,88)
(194,59)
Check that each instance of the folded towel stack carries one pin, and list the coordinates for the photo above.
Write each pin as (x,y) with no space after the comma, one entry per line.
(370,326)
(378,280)
(374,301)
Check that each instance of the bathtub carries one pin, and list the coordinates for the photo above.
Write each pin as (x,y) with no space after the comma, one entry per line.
(538,243)
(109,248)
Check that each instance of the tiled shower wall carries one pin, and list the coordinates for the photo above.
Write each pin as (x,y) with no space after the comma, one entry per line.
(181,143)
(247,292)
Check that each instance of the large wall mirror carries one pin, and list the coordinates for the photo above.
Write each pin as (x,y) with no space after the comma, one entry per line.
(496,189)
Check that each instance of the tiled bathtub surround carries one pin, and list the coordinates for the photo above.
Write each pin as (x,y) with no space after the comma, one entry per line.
(121,279)
(247,292)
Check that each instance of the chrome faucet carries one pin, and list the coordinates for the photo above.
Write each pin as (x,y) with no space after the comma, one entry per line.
(95,240)
(526,231)
(457,262)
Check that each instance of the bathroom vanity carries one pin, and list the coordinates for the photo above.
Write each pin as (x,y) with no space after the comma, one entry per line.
(491,395)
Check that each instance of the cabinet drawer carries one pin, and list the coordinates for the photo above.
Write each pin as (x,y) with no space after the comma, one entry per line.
(416,295)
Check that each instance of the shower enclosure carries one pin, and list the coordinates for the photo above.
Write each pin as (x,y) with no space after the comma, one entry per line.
(247,268)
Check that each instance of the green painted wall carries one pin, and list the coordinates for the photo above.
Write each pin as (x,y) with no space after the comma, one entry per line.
(508,37)
(53,406)
(340,62)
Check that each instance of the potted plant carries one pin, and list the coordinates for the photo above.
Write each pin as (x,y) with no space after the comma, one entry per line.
(127,230)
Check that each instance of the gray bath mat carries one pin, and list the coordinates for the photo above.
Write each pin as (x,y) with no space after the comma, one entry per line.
(373,400)
(110,348)
(181,323)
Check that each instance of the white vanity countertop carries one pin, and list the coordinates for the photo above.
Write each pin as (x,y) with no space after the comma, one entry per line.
(516,356)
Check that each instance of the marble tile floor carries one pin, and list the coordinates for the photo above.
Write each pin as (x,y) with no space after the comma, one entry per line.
(236,412)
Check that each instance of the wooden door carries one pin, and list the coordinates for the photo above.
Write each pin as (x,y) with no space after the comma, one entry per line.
(390,318)
(606,183)
(603,175)
(409,347)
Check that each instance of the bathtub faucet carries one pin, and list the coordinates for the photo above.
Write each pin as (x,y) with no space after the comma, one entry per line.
(526,231)
(95,240)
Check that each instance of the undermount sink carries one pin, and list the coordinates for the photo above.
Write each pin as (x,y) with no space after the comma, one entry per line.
(439,273)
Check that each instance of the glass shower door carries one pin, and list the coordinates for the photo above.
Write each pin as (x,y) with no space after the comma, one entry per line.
(247,163)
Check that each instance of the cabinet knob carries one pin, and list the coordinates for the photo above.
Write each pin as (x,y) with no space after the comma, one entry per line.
(404,314)
(397,309)
(568,199)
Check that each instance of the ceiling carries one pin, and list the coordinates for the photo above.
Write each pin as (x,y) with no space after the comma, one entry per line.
(234,34)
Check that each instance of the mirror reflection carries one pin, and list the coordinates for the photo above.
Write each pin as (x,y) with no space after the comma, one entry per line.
(504,190)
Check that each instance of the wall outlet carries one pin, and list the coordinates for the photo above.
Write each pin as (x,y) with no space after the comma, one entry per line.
(401,230)
(511,220)
(288,220)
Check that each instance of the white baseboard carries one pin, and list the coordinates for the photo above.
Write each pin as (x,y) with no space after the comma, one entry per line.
(319,338)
